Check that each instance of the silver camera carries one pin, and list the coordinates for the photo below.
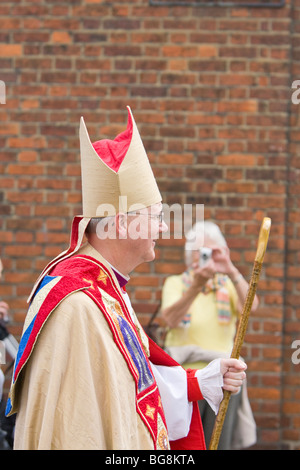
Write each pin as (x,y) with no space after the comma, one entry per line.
(205,256)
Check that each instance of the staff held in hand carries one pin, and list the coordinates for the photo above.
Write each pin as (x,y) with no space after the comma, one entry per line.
(239,339)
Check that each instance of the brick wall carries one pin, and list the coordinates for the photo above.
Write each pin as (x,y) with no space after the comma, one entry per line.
(210,88)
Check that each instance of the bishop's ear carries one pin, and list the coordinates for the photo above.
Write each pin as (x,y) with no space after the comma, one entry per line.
(121,225)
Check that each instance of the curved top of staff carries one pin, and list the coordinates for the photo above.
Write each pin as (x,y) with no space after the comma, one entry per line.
(263,239)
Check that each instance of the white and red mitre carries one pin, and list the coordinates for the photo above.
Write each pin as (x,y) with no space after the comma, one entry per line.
(116,177)
(116,174)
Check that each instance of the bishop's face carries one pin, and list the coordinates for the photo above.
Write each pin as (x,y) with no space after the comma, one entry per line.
(144,229)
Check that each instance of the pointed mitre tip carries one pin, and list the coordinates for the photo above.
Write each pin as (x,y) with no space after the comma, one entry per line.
(131,121)
(130,115)
(82,123)
(83,132)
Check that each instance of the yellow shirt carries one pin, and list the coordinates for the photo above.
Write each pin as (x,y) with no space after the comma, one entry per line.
(204,330)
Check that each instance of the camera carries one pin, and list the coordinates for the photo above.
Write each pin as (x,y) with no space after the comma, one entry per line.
(205,256)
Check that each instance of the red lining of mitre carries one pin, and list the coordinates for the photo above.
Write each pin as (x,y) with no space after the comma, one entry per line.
(112,152)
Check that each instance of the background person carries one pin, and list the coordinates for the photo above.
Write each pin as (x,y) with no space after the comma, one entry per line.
(3,318)
(4,308)
(4,311)
(201,307)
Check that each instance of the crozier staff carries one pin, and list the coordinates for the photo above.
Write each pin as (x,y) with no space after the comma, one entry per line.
(239,339)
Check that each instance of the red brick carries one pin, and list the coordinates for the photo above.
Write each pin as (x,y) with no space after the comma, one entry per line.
(10,50)
(24,169)
(61,37)
(9,128)
(237,160)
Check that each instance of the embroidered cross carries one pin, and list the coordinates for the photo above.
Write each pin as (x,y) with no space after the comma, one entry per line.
(150,412)
(89,282)
(102,277)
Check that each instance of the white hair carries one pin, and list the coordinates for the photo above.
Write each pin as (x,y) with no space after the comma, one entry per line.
(201,231)
(101,226)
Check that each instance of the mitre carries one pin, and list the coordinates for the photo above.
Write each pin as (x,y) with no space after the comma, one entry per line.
(116,174)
